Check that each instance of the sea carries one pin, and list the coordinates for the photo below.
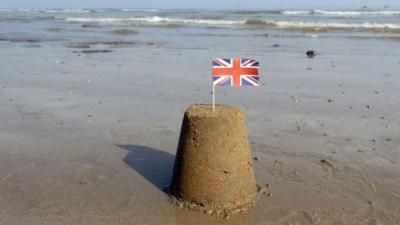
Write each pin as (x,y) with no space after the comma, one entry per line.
(239,32)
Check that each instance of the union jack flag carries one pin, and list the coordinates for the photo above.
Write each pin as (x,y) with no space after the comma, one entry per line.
(235,72)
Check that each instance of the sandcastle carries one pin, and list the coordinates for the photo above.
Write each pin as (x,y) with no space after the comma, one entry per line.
(213,169)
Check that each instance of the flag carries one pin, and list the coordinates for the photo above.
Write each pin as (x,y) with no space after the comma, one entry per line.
(235,72)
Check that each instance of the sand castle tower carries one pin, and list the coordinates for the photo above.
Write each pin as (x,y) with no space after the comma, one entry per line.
(213,167)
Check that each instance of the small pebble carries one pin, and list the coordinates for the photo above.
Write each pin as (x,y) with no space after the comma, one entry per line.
(19,157)
(83,181)
(324,161)
(311,53)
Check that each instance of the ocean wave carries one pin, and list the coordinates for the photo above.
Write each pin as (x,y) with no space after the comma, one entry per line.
(343,13)
(140,10)
(5,10)
(45,10)
(250,12)
(324,26)
(154,20)
(333,25)
(14,20)
(306,26)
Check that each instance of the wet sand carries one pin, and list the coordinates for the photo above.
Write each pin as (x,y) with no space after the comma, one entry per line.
(91,138)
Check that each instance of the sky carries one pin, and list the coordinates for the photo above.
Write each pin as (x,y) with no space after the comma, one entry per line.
(203,4)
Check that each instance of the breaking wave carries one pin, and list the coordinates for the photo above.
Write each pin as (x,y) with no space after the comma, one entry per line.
(72,10)
(154,20)
(140,10)
(310,26)
(343,13)
(250,12)
(383,27)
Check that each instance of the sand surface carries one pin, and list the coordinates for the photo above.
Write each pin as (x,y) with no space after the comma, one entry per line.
(91,138)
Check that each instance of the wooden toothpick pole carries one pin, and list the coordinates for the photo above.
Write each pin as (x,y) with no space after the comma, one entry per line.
(213,91)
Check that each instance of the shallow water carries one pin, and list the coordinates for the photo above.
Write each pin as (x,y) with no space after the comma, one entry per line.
(314,23)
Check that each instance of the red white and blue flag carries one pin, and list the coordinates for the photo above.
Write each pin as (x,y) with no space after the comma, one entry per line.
(235,72)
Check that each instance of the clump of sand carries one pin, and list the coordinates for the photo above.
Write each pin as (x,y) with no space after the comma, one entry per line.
(55,29)
(91,25)
(124,32)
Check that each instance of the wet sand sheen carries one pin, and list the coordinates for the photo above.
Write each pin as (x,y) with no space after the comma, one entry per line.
(91,138)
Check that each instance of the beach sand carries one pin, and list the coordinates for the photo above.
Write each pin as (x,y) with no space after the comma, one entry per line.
(91,138)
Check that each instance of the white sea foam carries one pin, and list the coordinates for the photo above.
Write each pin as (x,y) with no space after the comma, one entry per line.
(40,10)
(161,21)
(154,20)
(332,25)
(296,12)
(140,10)
(344,13)
(5,10)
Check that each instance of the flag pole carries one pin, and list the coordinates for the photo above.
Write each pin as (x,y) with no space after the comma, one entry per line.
(213,91)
